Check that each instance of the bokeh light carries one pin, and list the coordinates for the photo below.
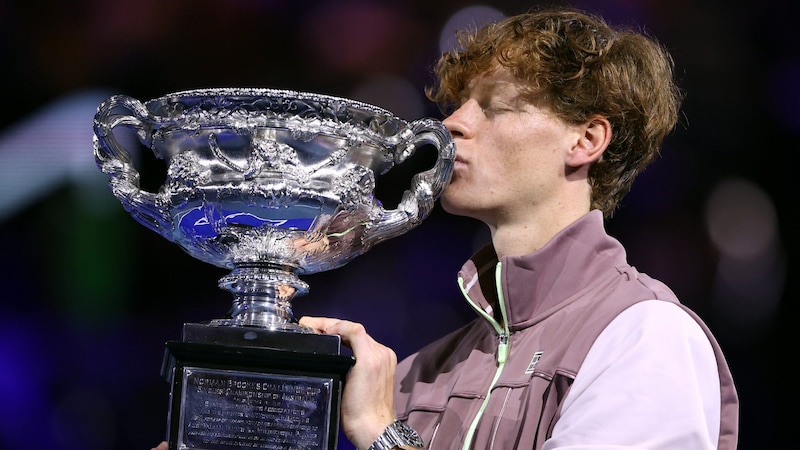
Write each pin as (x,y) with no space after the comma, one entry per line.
(742,224)
(468,18)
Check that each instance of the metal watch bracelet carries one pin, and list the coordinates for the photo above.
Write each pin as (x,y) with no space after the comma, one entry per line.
(397,434)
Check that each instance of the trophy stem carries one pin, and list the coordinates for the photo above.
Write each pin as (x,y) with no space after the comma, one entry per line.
(262,297)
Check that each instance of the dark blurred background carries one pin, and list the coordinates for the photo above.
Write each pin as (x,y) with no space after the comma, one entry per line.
(89,296)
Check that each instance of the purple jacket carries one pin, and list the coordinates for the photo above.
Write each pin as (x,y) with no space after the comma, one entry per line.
(555,301)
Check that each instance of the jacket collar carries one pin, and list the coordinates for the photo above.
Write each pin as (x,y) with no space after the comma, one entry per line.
(533,285)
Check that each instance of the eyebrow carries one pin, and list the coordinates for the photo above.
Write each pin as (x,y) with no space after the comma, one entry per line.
(486,86)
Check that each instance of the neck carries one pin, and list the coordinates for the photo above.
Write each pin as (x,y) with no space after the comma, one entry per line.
(523,237)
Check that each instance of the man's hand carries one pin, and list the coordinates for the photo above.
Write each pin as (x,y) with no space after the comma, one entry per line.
(368,398)
(161,446)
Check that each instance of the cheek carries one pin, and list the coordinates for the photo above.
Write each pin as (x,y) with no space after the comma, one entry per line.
(515,155)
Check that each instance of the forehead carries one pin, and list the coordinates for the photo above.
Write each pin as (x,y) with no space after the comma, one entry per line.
(497,79)
(499,83)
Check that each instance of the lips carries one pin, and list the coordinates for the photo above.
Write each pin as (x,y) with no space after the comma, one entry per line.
(459,162)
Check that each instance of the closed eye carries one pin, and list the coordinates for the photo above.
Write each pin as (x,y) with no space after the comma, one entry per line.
(495,109)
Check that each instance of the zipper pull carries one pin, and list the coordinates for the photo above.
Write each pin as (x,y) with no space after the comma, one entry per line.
(502,349)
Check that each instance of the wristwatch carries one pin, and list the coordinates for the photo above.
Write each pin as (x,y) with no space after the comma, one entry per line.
(399,433)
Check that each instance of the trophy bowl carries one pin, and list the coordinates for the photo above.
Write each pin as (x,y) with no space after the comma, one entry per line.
(270,184)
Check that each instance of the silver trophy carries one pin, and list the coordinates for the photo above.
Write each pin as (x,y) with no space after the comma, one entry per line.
(270,184)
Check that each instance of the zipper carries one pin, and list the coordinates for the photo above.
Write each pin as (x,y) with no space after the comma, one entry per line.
(502,345)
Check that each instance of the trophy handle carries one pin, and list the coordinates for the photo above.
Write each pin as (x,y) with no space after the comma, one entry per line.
(115,160)
(418,201)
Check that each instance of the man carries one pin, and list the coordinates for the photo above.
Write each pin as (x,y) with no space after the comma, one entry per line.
(553,115)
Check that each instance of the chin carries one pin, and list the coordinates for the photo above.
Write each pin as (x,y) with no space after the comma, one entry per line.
(453,207)
(448,208)
(446,201)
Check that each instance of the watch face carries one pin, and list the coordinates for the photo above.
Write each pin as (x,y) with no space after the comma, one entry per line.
(408,435)
(398,433)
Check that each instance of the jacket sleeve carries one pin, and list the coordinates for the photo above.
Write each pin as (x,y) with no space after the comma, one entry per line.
(649,381)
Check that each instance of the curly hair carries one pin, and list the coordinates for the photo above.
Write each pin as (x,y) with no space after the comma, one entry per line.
(580,67)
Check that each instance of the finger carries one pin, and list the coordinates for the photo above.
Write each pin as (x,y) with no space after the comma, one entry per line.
(319,324)
(343,328)
(353,334)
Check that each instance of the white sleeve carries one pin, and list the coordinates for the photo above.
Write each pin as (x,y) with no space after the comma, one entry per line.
(650,381)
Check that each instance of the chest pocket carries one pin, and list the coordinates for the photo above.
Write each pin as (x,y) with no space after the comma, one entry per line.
(445,428)
(520,415)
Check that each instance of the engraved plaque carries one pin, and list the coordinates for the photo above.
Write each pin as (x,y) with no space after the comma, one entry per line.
(252,388)
(223,409)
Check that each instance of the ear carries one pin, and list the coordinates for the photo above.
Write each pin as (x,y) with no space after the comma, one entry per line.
(595,136)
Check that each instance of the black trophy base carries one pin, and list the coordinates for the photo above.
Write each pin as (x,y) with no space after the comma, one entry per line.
(251,388)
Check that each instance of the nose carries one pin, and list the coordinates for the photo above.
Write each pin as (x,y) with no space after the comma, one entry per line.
(458,122)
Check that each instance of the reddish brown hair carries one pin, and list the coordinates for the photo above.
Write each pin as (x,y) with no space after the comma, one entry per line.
(580,67)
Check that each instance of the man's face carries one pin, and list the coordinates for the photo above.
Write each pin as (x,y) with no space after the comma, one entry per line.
(510,153)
